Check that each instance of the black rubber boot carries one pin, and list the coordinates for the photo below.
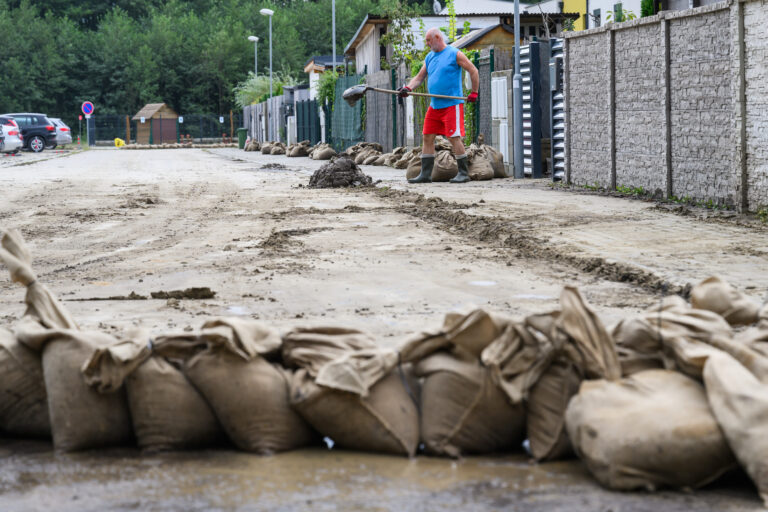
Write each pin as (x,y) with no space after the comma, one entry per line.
(463,175)
(425,176)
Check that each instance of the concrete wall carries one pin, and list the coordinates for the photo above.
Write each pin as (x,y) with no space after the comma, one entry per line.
(675,103)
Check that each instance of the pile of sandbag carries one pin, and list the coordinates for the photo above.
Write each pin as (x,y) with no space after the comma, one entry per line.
(365,153)
(300,149)
(321,151)
(672,397)
(253,145)
(273,148)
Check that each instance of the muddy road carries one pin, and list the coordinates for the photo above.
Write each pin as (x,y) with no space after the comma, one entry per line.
(109,228)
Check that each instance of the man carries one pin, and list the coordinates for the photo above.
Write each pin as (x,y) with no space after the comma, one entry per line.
(443,67)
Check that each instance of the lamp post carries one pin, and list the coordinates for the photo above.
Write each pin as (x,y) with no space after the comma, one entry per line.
(269,12)
(255,54)
(333,29)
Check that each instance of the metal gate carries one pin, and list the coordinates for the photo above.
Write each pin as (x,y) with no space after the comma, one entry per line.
(307,121)
(557,108)
(536,122)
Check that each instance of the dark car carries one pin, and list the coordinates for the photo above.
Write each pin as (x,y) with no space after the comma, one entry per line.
(38,131)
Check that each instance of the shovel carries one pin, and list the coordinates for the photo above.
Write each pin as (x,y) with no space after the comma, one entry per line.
(354,93)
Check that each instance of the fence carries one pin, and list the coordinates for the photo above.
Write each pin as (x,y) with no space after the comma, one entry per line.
(676,104)
(202,128)
(346,120)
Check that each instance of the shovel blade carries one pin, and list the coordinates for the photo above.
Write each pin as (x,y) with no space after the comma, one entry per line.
(354,93)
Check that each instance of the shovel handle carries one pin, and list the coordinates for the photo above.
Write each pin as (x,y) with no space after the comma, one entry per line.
(423,94)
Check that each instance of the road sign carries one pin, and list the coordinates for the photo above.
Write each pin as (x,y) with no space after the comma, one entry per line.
(221,119)
(143,120)
(87,116)
(181,119)
(87,108)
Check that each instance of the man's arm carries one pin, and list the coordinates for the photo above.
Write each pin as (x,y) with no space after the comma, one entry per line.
(419,78)
(470,68)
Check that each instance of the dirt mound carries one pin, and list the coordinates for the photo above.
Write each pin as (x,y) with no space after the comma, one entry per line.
(273,165)
(340,172)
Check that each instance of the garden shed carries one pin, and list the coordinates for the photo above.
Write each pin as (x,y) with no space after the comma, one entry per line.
(159,124)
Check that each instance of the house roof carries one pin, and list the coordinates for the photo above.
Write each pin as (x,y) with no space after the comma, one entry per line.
(462,7)
(320,63)
(363,30)
(475,35)
(149,110)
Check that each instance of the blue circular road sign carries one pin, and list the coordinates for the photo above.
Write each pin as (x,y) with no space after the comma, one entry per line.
(87,107)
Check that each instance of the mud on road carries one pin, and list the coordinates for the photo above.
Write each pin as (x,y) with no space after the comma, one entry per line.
(120,236)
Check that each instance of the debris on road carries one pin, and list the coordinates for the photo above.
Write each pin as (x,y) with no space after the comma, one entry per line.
(339,172)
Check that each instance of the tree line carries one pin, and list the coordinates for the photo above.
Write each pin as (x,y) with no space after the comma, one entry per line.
(189,54)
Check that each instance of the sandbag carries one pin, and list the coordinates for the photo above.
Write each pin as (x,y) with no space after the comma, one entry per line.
(649,430)
(739,401)
(714,294)
(299,150)
(379,160)
(266,148)
(480,168)
(277,150)
(386,420)
(81,417)
(445,167)
(167,412)
(323,152)
(23,400)
(547,403)
(371,159)
(251,400)
(412,167)
(495,159)
(363,154)
(463,411)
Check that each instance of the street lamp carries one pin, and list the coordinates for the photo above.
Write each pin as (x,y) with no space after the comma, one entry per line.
(255,54)
(333,29)
(269,12)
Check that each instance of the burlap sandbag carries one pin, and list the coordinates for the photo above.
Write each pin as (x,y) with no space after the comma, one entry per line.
(413,168)
(299,150)
(379,160)
(23,401)
(386,420)
(463,411)
(445,166)
(251,399)
(652,429)
(266,148)
(324,152)
(408,159)
(81,417)
(480,168)
(363,154)
(167,412)
(349,390)
(716,295)
(495,159)
(547,403)
(277,150)
(226,362)
(739,401)
(371,159)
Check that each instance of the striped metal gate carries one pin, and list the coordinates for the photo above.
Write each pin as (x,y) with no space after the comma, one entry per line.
(557,108)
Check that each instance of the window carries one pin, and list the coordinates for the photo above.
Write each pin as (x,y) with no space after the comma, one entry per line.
(531,30)
(596,17)
(618,14)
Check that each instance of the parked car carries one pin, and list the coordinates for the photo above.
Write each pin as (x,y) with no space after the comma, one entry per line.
(63,133)
(12,134)
(37,131)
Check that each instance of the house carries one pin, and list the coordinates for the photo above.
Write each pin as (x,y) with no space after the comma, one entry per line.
(502,35)
(156,123)
(367,52)
(316,66)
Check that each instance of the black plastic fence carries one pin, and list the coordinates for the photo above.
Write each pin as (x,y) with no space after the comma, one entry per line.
(201,128)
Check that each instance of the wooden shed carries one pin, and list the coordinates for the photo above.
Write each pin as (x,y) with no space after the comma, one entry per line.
(159,126)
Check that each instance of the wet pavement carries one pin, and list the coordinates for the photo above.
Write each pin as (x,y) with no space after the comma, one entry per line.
(33,477)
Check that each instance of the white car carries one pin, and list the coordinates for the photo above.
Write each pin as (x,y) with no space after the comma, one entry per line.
(12,140)
(63,133)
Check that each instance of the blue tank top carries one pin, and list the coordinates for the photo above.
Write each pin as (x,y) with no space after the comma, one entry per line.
(444,76)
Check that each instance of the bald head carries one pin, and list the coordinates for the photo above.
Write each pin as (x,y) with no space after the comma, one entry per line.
(434,40)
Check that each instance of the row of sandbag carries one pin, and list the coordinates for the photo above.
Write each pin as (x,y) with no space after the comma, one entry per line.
(673,397)
(179,145)
(484,162)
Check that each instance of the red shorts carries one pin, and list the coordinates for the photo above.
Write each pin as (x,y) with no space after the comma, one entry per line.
(447,121)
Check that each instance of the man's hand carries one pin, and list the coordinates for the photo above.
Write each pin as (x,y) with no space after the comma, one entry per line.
(472,98)
(403,91)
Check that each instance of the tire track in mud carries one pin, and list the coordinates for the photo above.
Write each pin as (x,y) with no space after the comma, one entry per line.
(505,234)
